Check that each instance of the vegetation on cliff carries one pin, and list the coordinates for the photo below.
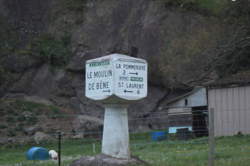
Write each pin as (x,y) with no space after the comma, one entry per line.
(186,43)
(186,51)
(17,116)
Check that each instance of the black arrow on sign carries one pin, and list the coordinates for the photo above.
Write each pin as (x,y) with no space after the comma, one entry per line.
(106,90)
(134,73)
(127,91)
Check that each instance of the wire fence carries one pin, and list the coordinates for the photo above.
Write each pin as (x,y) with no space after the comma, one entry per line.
(186,135)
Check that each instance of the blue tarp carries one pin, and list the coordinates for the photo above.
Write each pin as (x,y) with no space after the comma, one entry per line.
(37,153)
(158,135)
(172,130)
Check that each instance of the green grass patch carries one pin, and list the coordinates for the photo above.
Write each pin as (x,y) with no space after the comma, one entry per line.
(71,149)
(18,114)
(14,108)
(214,7)
(26,105)
(230,151)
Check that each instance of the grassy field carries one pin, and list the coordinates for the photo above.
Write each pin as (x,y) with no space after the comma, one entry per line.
(230,151)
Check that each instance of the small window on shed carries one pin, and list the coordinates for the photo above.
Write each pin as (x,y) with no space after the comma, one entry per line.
(186,102)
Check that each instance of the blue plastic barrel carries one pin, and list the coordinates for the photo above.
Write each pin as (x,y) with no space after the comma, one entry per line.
(37,153)
(158,135)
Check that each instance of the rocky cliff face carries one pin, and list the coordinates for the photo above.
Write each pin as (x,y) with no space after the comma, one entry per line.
(182,43)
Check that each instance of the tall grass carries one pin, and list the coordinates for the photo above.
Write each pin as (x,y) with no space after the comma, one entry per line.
(214,6)
(230,151)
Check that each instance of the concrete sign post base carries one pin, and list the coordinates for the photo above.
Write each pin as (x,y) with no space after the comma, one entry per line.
(116,80)
(115,141)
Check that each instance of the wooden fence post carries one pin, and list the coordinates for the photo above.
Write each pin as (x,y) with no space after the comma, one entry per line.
(59,147)
(211,153)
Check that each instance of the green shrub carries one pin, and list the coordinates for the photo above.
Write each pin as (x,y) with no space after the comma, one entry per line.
(10,119)
(74,5)
(11,111)
(26,106)
(9,39)
(3,126)
(19,128)
(6,76)
(21,118)
(54,112)
(2,75)
(234,61)
(11,133)
(31,120)
(205,6)
(68,11)
(213,6)
(48,49)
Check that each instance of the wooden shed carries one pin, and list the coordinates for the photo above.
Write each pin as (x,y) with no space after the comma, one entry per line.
(230,99)
(189,109)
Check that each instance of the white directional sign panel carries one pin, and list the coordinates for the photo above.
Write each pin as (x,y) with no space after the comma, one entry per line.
(116,75)
(130,79)
(99,79)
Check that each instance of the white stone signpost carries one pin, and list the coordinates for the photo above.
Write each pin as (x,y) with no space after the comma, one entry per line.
(116,80)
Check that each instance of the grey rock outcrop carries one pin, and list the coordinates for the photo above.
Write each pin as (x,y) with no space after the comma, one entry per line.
(104,160)
(32,130)
(87,125)
(3,140)
(40,137)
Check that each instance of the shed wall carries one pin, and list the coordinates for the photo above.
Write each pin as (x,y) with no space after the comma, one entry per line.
(179,110)
(197,99)
(231,110)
